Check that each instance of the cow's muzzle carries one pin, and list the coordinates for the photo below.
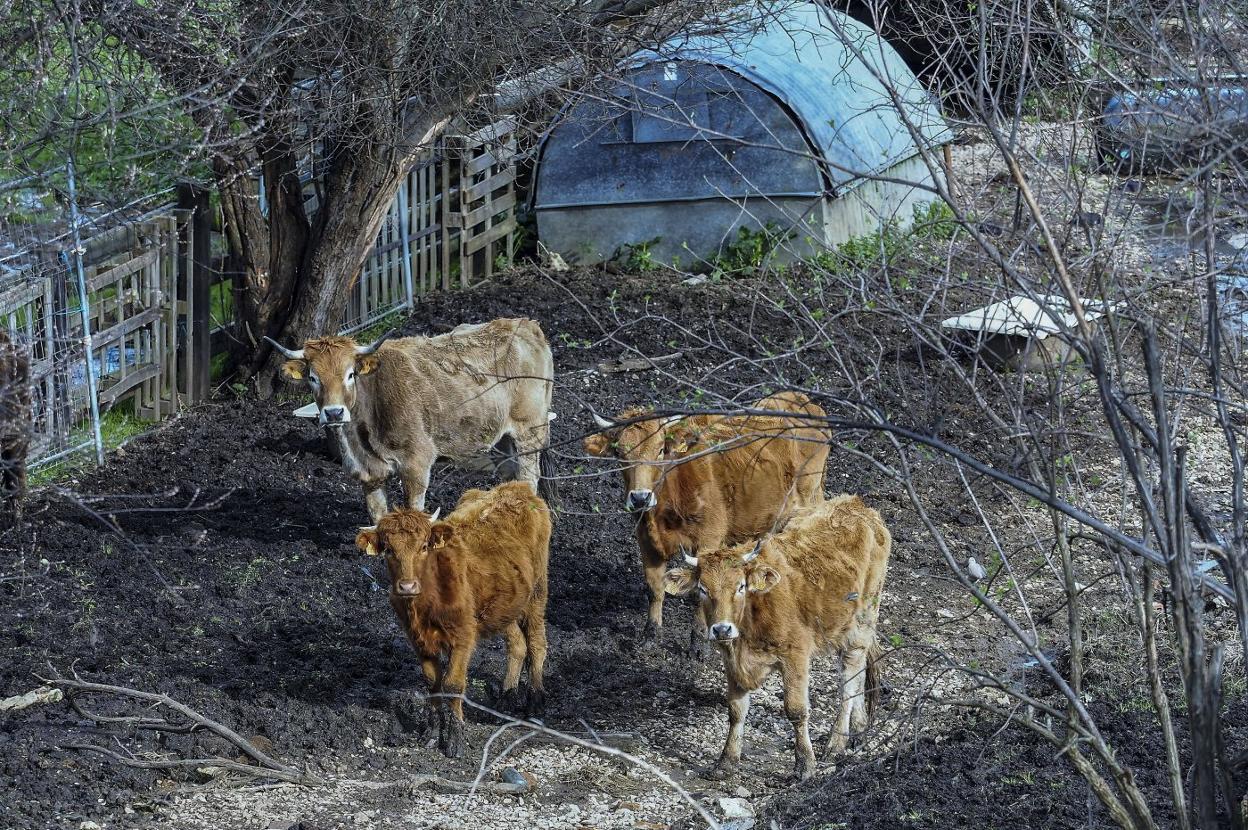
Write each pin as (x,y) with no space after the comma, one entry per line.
(639,500)
(335,416)
(407,589)
(722,631)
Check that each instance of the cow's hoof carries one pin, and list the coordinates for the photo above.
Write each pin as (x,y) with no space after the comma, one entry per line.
(838,745)
(699,648)
(536,706)
(432,727)
(720,771)
(451,739)
(803,769)
(509,701)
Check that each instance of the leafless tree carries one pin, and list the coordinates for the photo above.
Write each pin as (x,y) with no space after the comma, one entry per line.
(339,94)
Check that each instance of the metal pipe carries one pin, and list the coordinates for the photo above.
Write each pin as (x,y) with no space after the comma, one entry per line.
(404,218)
(85,309)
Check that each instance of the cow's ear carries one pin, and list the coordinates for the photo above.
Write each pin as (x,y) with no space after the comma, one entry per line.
(599,444)
(762,579)
(439,535)
(678,582)
(367,363)
(294,369)
(368,541)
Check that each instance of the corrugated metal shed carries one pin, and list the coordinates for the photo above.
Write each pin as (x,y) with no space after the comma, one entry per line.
(835,74)
(772,123)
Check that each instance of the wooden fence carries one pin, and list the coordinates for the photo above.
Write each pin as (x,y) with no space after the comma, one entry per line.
(139,310)
(450,225)
(148,284)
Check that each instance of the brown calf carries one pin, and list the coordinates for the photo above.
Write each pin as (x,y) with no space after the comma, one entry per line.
(708,481)
(478,573)
(815,585)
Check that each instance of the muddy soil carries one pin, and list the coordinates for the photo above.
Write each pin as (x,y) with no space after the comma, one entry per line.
(257,610)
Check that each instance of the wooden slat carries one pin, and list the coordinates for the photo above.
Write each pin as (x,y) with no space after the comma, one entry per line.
(482,240)
(113,393)
(475,217)
(128,325)
(124,270)
(485,161)
(480,190)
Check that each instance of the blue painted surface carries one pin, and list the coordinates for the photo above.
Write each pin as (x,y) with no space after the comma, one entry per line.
(1166,127)
(755,127)
(843,82)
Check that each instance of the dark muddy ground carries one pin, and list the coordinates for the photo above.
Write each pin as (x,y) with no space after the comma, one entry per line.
(260,613)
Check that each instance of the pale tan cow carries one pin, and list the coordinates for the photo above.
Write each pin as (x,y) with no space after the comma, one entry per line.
(477,397)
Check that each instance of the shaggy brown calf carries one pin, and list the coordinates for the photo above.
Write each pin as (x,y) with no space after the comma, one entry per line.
(478,573)
(815,585)
(708,481)
(477,397)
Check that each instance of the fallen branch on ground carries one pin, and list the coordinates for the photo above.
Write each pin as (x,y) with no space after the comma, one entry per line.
(266,767)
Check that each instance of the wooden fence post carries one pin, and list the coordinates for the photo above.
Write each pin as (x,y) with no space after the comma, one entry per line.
(195,279)
(63,347)
(15,427)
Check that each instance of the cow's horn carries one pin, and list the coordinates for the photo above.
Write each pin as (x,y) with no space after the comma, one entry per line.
(690,559)
(435,515)
(291,354)
(602,422)
(374,346)
(752,555)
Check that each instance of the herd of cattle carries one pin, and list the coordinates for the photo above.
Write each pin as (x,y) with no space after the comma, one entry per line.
(737,503)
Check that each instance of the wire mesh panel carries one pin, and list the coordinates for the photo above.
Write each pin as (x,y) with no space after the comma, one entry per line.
(136,324)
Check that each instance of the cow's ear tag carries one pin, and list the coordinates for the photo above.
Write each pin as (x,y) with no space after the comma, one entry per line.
(439,535)
(366,540)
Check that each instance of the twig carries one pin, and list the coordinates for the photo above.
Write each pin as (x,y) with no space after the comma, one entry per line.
(289,775)
(197,720)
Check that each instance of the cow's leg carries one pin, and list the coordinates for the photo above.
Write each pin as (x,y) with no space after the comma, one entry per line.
(375,498)
(415,475)
(654,565)
(451,740)
(535,634)
(738,708)
(796,675)
(432,668)
(516,649)
(699,645)
(529,445)
(853,683)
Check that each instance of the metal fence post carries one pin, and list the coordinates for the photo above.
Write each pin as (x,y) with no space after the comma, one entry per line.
(85,309)
(405,218)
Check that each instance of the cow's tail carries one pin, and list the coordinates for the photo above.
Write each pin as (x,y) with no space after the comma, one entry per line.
(547,483)
(873,682)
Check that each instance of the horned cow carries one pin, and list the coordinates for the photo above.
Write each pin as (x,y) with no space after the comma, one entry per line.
(478,397)
(705,481)
(816,584)
(480,572)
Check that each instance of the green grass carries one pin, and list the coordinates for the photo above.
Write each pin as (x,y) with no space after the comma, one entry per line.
(221,303)
(117,426)
(391,320)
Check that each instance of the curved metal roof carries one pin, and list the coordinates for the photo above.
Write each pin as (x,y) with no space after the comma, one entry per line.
(849,88)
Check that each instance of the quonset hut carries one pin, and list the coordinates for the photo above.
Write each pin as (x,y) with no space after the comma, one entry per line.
(797,118)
